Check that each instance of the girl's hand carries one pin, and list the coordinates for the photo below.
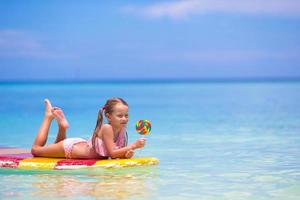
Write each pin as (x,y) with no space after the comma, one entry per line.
(140,143)
(129,154)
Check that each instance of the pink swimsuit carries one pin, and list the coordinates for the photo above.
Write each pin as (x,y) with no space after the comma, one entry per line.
(99,144)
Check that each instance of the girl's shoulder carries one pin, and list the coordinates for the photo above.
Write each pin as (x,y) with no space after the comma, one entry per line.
(106,127)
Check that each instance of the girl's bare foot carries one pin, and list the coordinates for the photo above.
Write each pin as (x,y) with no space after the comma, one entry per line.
(60,117)
(48,109)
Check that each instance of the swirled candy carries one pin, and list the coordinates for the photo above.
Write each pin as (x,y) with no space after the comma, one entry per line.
(143,127)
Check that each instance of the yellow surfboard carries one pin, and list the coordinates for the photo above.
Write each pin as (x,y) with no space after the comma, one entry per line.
(22,159)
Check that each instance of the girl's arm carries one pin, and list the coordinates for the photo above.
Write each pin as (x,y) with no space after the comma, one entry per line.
(108,139)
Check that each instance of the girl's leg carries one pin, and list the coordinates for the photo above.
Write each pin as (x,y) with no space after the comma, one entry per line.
(42,135)
(61,134)
(62,124)
(52,150)
(38,148)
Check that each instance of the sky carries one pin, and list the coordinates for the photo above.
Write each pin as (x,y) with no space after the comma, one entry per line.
(190,39)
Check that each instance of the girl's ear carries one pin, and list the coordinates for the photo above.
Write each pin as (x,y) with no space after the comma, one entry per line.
(108,116)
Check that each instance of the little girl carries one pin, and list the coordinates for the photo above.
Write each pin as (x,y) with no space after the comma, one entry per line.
(108,140)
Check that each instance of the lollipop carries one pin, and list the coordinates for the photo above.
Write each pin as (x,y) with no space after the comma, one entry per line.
(143,127)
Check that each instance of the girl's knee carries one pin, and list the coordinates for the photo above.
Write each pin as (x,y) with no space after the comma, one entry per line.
(35,150)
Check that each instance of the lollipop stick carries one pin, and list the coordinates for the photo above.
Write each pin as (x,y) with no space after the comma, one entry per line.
(140,151)
(143,127)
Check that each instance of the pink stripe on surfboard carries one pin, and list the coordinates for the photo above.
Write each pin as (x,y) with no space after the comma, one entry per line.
(68,163)
(9,162)
(10,157)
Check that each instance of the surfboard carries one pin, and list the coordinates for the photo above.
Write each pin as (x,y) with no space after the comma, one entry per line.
(23,159)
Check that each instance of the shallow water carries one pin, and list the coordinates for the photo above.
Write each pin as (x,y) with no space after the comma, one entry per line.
(214,140)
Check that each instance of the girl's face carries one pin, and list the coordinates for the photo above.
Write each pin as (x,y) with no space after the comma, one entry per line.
(119,117)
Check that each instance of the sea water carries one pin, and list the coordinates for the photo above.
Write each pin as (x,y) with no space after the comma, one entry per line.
(214,140)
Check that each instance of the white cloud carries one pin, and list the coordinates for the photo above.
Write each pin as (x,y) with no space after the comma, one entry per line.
(184,8)
(21,44)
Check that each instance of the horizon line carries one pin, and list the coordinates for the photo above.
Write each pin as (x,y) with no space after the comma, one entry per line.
(153,80)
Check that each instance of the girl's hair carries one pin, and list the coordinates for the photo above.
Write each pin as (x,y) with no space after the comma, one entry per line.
(107,109)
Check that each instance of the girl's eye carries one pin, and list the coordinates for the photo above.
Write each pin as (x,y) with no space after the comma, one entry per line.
(120,116)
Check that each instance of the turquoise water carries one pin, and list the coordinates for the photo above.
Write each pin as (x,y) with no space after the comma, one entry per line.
(215,140)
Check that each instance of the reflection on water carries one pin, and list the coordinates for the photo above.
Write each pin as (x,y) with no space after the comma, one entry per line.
(122,184)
